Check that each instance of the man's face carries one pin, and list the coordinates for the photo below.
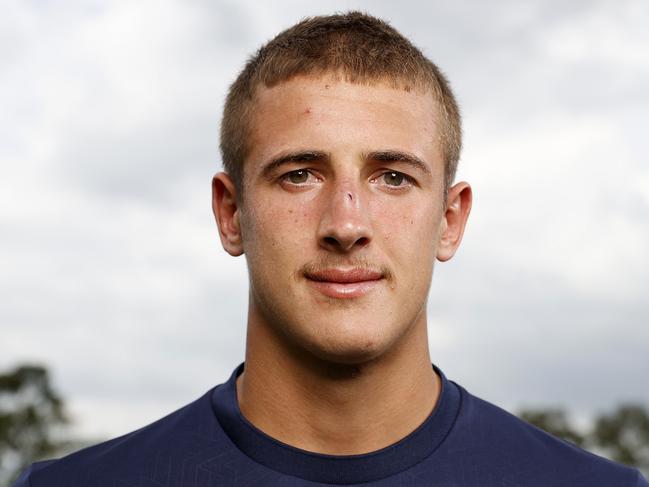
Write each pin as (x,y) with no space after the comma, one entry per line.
(342,214)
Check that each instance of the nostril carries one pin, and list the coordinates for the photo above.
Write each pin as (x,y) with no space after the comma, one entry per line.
(331,241)
(343,243)
(362,242)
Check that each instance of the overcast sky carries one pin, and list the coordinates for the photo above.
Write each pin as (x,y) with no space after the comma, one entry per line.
(111,271)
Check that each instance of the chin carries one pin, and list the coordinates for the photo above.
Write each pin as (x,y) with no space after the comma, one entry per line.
(345,357)
(342,347)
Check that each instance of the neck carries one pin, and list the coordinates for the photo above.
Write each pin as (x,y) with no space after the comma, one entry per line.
(332,408)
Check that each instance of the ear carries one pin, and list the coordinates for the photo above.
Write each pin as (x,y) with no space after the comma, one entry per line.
(454,220)
(227,213)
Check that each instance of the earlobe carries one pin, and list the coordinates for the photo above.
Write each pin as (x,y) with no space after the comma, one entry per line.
(227,213)
(454,220)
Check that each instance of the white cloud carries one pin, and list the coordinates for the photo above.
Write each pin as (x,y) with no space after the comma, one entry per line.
(549,198)
(611,34)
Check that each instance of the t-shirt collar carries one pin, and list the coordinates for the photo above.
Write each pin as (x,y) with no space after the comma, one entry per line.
(336,469)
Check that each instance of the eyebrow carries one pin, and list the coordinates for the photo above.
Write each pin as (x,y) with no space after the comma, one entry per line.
(399,156)
(377,156)
(292,158)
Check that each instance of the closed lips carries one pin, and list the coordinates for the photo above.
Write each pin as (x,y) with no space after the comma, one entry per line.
(344,276)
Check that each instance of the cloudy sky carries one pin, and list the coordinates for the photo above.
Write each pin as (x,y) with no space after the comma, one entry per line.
(111,272)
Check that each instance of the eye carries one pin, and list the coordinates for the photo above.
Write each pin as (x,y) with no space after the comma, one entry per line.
(299,177)
(393,180)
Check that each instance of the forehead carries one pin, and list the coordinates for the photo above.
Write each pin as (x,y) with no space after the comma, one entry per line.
(329,114)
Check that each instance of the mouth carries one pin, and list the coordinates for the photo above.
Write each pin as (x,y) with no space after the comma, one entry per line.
(344,283)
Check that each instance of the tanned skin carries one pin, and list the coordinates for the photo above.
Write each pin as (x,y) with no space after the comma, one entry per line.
(341,220)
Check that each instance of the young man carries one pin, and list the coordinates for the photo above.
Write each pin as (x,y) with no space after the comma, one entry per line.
(340,142)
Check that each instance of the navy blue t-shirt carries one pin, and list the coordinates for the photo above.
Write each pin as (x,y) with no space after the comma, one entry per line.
(465,442)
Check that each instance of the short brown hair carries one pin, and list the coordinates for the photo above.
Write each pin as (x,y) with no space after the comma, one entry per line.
(363,49)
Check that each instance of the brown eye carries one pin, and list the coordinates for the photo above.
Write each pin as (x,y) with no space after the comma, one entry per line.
(393,178)
(298,177)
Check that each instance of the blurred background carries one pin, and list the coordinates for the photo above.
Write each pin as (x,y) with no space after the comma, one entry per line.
(118,304)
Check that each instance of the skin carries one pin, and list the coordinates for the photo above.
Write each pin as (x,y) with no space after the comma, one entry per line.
(340,368)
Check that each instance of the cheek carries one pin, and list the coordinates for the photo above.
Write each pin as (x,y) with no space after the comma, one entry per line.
(275,232)
(409,231)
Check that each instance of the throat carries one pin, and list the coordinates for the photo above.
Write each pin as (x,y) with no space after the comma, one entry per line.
(351,411)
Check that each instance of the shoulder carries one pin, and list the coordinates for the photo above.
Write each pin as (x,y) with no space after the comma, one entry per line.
(183,437)
(25,478)
(528,455)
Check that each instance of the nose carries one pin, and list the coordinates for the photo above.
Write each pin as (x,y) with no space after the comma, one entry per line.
(344,224)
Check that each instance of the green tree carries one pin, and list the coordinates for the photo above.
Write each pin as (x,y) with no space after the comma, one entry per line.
(556,422)
(32,418)
(621,435)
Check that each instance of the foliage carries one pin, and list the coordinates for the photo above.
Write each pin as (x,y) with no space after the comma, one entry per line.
(555,422)
(622,435)
(31,415)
